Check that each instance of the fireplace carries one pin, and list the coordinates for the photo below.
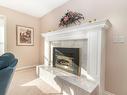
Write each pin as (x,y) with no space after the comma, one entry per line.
(66,59)
(94,71)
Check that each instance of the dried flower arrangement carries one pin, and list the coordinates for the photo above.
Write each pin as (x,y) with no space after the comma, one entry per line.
(70,17)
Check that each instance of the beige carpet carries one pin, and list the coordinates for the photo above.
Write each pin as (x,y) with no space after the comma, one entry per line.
(26,83)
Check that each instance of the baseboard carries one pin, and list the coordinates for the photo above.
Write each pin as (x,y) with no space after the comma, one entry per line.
(108,93)
(26,67)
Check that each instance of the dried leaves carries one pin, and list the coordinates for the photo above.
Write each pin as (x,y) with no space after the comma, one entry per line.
(70,17)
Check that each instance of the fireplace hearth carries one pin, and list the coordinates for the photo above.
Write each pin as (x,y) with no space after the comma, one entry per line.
(67,59)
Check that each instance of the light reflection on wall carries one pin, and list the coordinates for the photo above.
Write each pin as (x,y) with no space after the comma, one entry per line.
(2,36)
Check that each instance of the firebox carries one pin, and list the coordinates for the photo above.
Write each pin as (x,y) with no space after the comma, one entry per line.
(66,59)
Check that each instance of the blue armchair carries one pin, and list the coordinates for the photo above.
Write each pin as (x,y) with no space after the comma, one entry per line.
(7,66)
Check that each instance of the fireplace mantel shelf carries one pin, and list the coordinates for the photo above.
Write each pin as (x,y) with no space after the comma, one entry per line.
(81,82)
(76,32)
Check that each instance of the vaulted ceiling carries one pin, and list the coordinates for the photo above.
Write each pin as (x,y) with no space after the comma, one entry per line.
(36,8)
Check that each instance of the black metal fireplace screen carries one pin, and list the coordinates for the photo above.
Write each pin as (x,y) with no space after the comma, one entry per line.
(66,59)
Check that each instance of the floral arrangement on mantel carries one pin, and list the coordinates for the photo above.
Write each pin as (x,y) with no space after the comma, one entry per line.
(71,17)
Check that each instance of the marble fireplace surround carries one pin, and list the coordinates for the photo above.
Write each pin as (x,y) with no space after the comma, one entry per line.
(95,34)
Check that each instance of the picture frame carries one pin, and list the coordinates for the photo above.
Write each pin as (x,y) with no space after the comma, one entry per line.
(24,36)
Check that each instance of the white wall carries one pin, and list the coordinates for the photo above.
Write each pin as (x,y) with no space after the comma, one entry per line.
(27,55)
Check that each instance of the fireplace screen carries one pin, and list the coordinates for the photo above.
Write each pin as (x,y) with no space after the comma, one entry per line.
(66,59)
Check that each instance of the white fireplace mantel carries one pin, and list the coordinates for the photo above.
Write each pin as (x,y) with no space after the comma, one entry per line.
(76,32)
(95,35)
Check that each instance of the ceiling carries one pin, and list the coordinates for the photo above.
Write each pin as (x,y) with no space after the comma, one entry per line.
(37,8)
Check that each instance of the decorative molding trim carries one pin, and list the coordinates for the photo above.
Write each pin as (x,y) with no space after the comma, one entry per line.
(105,24)
(26,67)
(108,93)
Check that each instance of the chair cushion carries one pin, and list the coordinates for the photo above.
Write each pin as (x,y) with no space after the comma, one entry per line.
(3,64)
(8,56)
(6,59)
